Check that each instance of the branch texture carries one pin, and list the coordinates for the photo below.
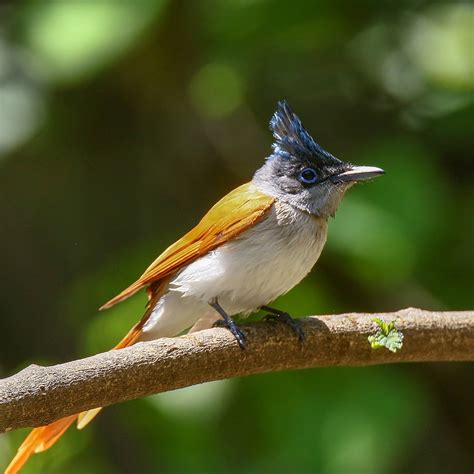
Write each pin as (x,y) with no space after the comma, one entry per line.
(39,395)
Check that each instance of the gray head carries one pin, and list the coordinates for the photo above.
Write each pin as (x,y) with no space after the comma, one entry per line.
(302,173)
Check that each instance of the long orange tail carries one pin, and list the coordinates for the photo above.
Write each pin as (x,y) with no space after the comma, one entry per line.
(42,438)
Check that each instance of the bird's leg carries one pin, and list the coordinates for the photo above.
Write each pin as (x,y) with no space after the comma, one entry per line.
(229,323)
(285,318)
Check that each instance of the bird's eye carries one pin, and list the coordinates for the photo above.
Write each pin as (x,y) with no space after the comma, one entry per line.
(308,176)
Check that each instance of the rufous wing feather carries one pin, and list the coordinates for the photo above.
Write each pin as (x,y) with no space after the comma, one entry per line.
(233,214)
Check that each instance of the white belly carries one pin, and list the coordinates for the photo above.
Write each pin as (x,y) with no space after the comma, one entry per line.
(246,273)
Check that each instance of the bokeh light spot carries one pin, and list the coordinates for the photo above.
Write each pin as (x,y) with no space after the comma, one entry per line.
(441,43)
(216,90)
(22,107)
(73,39)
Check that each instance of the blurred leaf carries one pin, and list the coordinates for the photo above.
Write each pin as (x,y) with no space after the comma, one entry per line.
(381,227)
(374,241)
(310,297)
(22,99)
(448,30)
(412,187)
(107,329)
(73,39)
(298,27)
(216,90)
(204,402)
(327,421)
(320,420)
(104,329)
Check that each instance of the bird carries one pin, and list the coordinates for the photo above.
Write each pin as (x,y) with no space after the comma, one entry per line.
(255,244)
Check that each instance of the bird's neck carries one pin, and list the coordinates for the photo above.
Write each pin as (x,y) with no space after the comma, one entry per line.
(297,201)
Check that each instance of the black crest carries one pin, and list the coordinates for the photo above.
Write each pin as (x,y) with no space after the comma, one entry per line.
(292,139)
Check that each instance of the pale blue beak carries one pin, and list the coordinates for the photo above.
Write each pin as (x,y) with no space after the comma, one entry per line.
(357,173)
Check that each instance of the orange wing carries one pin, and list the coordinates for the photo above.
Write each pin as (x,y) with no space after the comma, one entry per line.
(234,213)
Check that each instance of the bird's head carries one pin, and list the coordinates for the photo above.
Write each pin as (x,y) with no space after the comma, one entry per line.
(303,174)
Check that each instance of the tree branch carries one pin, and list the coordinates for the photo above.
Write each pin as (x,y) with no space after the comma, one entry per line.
(39,395)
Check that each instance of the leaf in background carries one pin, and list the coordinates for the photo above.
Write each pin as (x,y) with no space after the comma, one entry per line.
(382,228)
(72,40)
(216,90)
(446,29)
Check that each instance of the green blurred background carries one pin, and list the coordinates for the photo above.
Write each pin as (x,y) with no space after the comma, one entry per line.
(121,122)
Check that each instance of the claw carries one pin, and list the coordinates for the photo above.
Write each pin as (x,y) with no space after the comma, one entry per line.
(229,323)
(239,335)
(234,329)
(287,319)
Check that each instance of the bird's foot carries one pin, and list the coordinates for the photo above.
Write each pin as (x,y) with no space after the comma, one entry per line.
(229,323)
(234,329)
(275,314)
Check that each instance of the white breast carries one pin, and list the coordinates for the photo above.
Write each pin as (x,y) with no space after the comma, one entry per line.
(261,264)
(244,274)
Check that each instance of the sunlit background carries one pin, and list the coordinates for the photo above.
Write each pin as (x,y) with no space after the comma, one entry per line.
(121,122)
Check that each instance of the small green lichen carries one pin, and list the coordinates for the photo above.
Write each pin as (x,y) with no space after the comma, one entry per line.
(387,336)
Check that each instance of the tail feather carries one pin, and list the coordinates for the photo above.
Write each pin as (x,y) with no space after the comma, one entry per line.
(129,291)
(42,438)
(86,417)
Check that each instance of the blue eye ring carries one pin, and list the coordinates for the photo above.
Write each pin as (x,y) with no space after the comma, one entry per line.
(308,176)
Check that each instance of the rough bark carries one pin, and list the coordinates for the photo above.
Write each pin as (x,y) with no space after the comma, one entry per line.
(39,395)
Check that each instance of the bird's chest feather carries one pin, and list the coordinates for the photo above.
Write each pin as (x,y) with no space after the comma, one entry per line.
(261,264)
